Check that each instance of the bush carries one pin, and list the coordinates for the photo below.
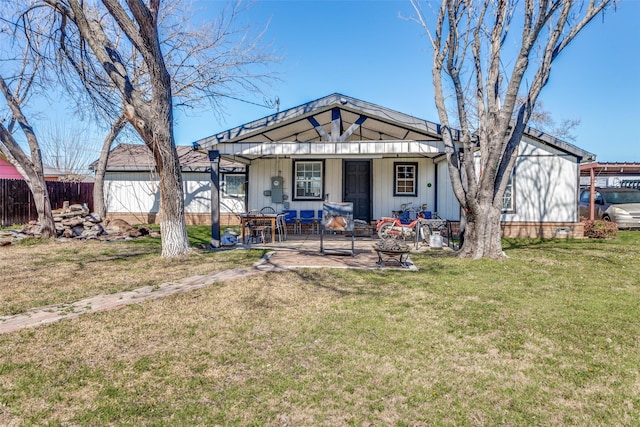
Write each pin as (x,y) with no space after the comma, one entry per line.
(600,229)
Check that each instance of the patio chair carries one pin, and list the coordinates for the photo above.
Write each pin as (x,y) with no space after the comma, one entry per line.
(281,227)
(258,229)
(319,221)
(291,217)
(307,216)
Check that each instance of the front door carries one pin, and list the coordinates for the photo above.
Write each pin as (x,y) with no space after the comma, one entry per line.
(357,187)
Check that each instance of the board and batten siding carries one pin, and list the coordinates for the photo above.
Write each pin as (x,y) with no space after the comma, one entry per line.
(545,187)
(262,170)
(384,202)
(138,192)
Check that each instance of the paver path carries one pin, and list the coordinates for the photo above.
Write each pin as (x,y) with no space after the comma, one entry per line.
(273,261)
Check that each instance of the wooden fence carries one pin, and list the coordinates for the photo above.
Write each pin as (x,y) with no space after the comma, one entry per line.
(16,201)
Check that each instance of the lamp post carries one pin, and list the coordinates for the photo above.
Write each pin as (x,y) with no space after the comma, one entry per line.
(214,158)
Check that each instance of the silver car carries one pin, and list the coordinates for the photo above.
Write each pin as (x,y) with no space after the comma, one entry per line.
(620,205)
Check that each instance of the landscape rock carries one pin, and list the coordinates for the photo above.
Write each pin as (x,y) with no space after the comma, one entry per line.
(77,222)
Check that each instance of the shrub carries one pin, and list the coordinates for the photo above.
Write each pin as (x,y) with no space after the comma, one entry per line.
(599,229)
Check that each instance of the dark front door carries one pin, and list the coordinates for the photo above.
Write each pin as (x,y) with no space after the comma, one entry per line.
(357,187)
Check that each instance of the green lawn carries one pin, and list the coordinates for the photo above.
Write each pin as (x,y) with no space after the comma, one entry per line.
(549,336)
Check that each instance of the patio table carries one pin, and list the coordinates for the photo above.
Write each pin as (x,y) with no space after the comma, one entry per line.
(246,218)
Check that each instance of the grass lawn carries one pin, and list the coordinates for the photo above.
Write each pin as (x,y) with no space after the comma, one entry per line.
(549,336)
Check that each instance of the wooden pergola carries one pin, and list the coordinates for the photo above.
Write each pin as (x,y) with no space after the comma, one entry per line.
(605,169)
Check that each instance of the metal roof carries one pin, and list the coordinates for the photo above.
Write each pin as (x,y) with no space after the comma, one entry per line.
(339,125)
(610,169)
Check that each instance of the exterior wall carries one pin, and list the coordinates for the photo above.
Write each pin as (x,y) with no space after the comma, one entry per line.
(546,185)
(136,195)
(448,205)
(384,202)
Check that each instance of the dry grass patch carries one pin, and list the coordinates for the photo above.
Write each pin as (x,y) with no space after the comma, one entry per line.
(53,273)
(518,342)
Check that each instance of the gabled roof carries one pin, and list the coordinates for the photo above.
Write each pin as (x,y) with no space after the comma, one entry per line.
(339,120)
(138,157)
(316,120)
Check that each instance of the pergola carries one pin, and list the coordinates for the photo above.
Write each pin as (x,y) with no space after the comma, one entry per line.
(605,169)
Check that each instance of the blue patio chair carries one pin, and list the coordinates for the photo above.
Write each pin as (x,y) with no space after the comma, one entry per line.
(291,217)
(319,220)
(307,216)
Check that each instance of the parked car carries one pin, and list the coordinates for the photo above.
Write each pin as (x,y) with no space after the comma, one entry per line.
(620,205)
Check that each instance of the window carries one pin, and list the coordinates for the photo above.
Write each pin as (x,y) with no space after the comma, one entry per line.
(234,184)
(308,180)
(406,179)
(508,199)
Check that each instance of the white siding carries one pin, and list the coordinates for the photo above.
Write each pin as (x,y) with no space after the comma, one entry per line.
(546,188)
(262,170)
(448,206)
(138,192)
(546,185)
(384,202)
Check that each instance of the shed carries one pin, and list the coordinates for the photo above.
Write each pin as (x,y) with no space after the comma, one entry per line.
(132,188)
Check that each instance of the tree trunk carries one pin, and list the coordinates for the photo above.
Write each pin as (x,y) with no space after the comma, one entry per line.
(98,186)
(43,207)
(172,220)
(482,234)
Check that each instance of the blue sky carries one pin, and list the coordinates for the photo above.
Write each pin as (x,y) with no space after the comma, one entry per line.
(364,49)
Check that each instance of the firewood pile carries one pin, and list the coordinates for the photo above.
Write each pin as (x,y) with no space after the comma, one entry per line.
(77,222)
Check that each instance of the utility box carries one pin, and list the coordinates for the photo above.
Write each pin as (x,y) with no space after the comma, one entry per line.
(277,182)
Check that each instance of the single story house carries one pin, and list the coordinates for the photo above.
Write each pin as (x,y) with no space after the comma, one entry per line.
(132,192)
(342,149)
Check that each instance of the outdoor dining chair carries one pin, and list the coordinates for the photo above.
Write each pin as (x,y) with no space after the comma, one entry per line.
(258,229)
(291,217)
(307,216)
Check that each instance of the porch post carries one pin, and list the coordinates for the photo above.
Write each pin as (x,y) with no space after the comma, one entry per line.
(592,195)
(214,158)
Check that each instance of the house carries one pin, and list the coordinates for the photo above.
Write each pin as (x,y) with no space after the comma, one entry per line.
(132,192)
(8,171)
(342,149)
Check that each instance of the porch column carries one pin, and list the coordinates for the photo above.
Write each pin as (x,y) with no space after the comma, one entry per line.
(592,195)
(214,158)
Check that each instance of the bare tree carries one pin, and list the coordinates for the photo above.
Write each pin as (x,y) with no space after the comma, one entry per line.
(206,64)
(472,52)
(125,48)
(66,149)
(16,88)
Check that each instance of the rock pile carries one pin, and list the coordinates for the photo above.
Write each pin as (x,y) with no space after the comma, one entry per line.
(76,222)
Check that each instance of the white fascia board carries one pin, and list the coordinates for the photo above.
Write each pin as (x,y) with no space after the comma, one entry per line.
(260,149)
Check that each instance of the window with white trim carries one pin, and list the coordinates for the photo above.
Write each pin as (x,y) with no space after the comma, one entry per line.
(405,179)
(234,184)
(308,179)
(508,198)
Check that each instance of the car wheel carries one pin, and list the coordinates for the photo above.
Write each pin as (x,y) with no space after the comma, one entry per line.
(606,218)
